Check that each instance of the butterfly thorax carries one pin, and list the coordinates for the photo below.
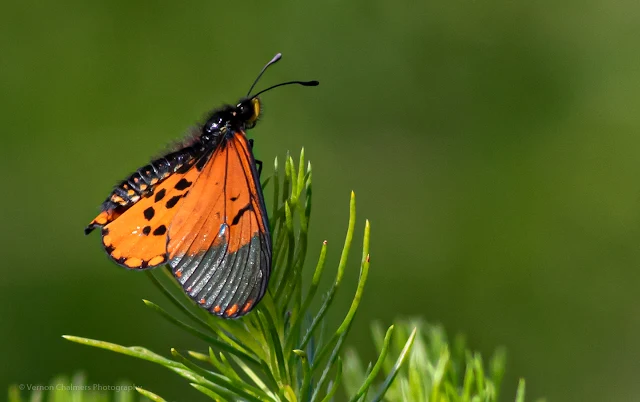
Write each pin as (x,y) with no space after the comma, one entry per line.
(230,119)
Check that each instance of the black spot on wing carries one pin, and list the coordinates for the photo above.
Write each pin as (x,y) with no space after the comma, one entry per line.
(149,213)
(241,212)
(146,230)
(173,201)
(160,194)
(160,230)
(183,184)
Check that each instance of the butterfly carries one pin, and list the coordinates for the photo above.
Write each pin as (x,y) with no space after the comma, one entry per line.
(200,210)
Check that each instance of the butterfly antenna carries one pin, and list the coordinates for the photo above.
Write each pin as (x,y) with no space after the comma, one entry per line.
(273,61)
(303,83)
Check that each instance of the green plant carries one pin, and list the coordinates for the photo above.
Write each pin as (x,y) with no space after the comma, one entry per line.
(437,371)
(278,352)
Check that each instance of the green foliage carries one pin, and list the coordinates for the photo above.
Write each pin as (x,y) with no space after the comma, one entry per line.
(76,389)
(278,352)
(437,370)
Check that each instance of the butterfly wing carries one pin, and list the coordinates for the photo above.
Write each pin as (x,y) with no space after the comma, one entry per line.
(219,243)
(136,216)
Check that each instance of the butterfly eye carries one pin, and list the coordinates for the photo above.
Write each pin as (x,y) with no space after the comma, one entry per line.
(243,111)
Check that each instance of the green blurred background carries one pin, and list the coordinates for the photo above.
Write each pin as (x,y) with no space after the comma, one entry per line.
(493,145)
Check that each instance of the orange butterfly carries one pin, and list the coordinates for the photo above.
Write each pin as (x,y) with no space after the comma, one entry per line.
(201,210)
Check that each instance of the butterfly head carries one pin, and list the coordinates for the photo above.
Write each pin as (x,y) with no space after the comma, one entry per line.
(245,114)
(248,112)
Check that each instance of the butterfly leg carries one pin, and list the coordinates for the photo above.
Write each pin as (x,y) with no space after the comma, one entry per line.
(258,163)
